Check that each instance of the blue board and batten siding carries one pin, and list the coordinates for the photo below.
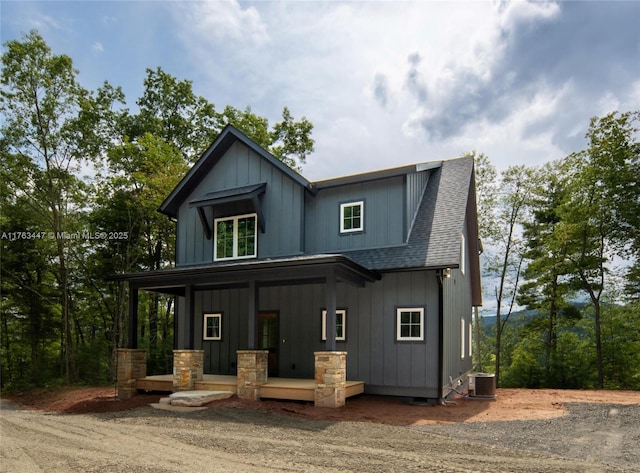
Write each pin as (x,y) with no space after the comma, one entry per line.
(384,225)
(374,356)
(282,204)
(300,221)
(416,183)
(457,310)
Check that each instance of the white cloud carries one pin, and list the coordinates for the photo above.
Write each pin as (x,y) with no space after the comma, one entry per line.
(423,80)
(97,47)
(39,21)
(227,21)
(514,15)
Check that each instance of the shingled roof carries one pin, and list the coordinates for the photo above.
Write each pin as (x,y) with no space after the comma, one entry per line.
(434,239)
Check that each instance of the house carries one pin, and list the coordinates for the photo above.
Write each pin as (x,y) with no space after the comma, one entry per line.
(369,277)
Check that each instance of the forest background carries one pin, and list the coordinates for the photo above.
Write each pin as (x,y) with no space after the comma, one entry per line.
(82,175)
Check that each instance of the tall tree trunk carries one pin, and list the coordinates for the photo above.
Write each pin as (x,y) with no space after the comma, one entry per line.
(6,359)
(478,343)
(154,301)
(552,336)
(597,307)
(35,323)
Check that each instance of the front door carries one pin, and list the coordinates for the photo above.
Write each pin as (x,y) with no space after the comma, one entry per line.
(269,337)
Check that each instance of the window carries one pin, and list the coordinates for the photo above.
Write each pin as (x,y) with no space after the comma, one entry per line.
(470,340)
(235,237)
(352,217)
(409,324)
(462,254)
(341,327)
(212,327)
(463,328)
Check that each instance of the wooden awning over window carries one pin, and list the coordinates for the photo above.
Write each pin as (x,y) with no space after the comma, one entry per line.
(250,193)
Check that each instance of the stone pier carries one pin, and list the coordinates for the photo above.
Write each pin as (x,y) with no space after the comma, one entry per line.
(132,364)
(188,367)
(331,378)
(252,373)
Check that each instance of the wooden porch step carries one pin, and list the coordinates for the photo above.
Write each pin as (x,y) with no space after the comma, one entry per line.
(291,389)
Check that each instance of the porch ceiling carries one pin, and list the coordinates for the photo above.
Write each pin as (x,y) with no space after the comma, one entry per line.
(281,271)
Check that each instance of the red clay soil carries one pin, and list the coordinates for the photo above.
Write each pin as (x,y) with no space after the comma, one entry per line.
(510,404)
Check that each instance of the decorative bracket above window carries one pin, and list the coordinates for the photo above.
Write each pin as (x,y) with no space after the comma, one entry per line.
(250,194)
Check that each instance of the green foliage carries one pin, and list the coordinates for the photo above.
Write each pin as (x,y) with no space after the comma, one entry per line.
(561,227)
(61,321)
(582,220)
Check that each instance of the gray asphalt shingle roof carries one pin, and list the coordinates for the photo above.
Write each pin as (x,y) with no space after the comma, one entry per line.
(434,241)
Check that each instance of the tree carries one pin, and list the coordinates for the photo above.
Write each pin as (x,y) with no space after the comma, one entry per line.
(505,260)
(486,197)
(169,108)
(53,130)
(52,125)
(546,287)
(143,173)
(596,223)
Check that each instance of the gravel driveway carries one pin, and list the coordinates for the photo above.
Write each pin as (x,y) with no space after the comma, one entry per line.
(592,438)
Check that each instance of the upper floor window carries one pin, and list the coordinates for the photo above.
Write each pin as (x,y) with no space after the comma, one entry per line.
(352,217)
(236,237)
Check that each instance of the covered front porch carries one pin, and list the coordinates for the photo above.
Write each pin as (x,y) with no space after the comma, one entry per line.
(329,388)
(289,389)
(245,279)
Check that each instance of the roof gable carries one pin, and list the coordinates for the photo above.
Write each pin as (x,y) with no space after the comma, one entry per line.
(438,223)
(227,137)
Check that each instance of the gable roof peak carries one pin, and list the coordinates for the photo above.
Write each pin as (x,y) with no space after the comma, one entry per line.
(225,139)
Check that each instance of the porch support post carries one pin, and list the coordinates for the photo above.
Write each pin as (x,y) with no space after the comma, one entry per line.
(331,378)
(252,315)
(188,367)
(132,365)
(330,288)
(191,322)
(132,338)
(253,366)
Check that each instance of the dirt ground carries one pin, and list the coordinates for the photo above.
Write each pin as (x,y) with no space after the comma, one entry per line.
(510,404)
(521,431)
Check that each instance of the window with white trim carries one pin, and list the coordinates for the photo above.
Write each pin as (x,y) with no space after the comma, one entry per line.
(341,325)
(352,217)
(463,329)
(463,254)
(409,324)
(470,339)
(236,237)
(212,327)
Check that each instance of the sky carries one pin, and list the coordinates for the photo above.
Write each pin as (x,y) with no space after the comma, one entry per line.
(384,83)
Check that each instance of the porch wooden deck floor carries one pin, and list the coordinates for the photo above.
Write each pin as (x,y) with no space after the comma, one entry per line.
(291,389)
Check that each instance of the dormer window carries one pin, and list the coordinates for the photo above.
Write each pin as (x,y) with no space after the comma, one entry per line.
(236,237)
(352,217)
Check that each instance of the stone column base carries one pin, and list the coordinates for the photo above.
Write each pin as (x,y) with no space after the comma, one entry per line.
(132,365)
(188,367)
(253,368)
(331,378)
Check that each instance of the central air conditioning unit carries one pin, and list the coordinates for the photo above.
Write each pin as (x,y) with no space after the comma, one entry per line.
(482,385)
